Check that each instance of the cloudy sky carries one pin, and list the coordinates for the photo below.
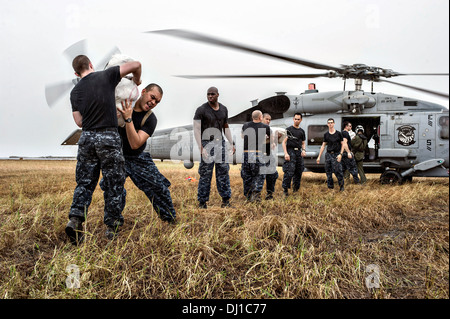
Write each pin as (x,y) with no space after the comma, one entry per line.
(406,36)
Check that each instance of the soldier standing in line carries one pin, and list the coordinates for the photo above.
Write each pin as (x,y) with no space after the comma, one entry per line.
(99,147)
(334,142)
(140,123)
(294,151)
(254,134)
(271,178)
(348,160)
(210,121)
(359,144)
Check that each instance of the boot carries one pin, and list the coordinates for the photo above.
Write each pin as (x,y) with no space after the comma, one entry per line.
(74,230)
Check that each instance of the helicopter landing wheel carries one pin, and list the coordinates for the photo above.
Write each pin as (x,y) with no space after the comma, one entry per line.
(391,177)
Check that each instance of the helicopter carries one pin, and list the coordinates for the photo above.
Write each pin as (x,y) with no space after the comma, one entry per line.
(408,137)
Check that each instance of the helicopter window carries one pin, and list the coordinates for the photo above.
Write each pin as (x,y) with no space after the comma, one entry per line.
(316,133)
(443,123)
(410,103)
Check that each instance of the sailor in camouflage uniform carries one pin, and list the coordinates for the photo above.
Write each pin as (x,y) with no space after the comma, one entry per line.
(252,171)
(271,177)
(99,146)
(294,151)
(334,142)
(210,120)
(348,161)
(140,125)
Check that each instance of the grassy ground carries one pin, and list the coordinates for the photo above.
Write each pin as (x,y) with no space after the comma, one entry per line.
(316,244)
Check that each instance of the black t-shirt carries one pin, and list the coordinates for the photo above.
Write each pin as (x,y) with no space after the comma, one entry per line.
(295,137)
(149,128)
(211,119)
(94,98)
(333,141)
(349,140)
(255,136)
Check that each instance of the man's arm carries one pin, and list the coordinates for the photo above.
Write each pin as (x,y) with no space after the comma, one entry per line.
(132,67)
(346,148)
(321,151)
(303,148)
(136,139)
(286,154)
(227,132)
(78,118)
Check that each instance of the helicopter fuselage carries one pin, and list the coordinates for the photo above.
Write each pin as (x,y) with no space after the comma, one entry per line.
(404,132)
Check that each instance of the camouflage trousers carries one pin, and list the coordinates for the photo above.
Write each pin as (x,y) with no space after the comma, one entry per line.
(271,180)
(349,166)
(215,159)
(333,166)
(251,174)
(100,151)
(293,170)
(146,176)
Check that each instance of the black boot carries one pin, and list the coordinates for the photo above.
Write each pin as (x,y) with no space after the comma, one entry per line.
(74,230)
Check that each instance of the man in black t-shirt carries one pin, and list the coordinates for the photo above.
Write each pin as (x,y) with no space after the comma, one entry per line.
(210,121)
(254,134)
(294,151)
(272,163)
(348,161)
(139,165)
(99,146)
(334,142)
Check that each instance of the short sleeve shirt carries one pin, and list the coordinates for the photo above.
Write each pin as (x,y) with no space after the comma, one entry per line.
(333,141)
(211,119)
(94,98)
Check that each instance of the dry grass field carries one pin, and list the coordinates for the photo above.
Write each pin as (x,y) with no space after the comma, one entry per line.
(317,244)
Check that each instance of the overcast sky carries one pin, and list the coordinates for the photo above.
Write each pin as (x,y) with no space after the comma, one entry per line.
(406,36)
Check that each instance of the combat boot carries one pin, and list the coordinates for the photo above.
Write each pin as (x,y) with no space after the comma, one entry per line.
(225,203)
(255,198)
(74,230)
(202,205)
(285,192)
(112,232)
(269,196)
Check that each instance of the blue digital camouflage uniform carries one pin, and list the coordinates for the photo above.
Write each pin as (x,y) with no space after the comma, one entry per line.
(251,175)
(350,165)
(293,170)
(333,166)
(100,150)
(271,180)
(216,159)
(146,176)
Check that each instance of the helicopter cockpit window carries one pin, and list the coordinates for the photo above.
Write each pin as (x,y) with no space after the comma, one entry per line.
(316,133)
(443,123)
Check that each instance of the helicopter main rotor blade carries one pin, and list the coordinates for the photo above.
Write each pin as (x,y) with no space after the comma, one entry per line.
(75,49)
(255,76)
(434,74)
(418,89)
(184,34)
